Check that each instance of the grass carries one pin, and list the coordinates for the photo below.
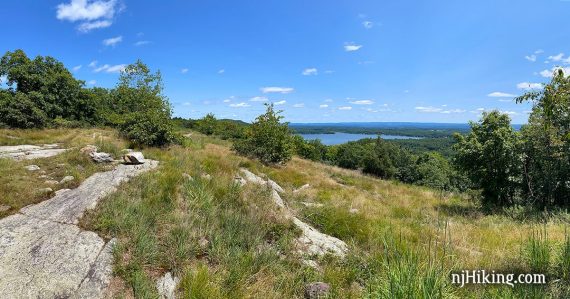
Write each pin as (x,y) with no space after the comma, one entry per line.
(224,241)
(20,187)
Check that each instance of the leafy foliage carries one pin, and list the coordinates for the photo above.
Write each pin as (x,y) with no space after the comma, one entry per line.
(267,139)
(490,155)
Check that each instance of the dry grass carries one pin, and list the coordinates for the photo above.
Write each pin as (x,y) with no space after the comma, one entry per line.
(160,219)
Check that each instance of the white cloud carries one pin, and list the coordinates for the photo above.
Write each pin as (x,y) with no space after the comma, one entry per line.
(76,68)
(345,108)
(509,112)
(92,14)
(329,72)
(221,71)
(92,82)
(529,86)
(549,73)
(240,105)
(184,71)
(259,99)
(111,68)
(113,41)
(88,26)
(93,63)
(142,43)
(300,105)
(328,101)
(453,111)
(227,100)
(276,89)
(323,106)
(531,58)
(498,94)
(362,102)
(310,71)
(539,51)
(428,109)
(351,47)
(367,24)
(556,58)
(280,102)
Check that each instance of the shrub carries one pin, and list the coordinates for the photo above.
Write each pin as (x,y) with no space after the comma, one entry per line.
(18,111)
(151,128)
(267,139)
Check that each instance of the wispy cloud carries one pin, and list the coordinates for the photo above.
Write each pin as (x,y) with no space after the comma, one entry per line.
(345,108)
(556,58)
(367,24)
(531,58)
(91,82)
(310,71)
(428,109)
(240,105)
(109,68)
(498,94)
(282,102)
(184,71)
(323,106)
(351,47)
(91,14)
(529,86)
(362,102)
(274,89)
(93,63)
(142,43)
(221,71)
(549,73)
(76,68)
(259,99)
(113,41)
(300,105)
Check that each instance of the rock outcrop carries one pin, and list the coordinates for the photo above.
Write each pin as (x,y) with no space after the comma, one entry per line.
(133,158)
(28,152)
(166,286)
(44,254)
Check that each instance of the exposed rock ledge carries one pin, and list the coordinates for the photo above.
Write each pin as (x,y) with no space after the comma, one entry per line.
(311,241)
(45,255)
(28,152)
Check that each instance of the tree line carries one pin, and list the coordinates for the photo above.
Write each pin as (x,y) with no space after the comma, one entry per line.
(42,93)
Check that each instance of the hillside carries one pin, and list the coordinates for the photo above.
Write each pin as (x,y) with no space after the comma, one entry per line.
(190,218)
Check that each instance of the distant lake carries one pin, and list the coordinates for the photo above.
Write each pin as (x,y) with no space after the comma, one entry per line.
(338,138)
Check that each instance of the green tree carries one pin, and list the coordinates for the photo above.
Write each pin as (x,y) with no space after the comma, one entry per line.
(17,110)
(267,139)
(547,143)
(142,112)
(377,160)
(490,155)
(207,124)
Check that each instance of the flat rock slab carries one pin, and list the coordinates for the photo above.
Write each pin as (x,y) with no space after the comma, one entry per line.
(29,152)
(43,254)
(68,207)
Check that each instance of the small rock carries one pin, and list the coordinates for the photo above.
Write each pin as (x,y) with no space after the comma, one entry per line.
(101,157)
(311,264)
(32,167)
(133,158)
(66,179)
(43,176)
(301,188)
(88,149)
(166,286)
(206,176)
(238,180)
(60,165)
(187,176)
(316,290)
(45,190)
(203,243)
(274,186)
(4,208)
(353,211)
(51,182)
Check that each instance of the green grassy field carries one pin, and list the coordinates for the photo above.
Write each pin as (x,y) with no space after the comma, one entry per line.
(226,241)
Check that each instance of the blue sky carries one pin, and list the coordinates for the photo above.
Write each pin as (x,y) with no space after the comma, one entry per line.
(319,61)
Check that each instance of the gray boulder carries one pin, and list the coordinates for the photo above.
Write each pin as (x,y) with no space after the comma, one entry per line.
(32,167)
(101,157)
(66,179)
(134,158)
(317,290)
(166,286)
